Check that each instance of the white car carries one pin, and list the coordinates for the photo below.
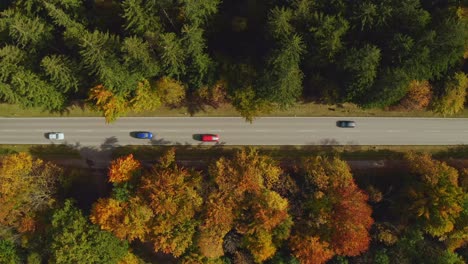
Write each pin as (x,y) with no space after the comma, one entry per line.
(56,136)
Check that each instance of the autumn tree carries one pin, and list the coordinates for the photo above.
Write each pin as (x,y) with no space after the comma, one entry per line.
(160,208)
(173,195)
(146,98)
(125,219)
(27,188)
(244,202)
(452,99)
(434,198)
(310,250)
(418,97)
(171,92)
(111,105)
(122,168)
(336,217)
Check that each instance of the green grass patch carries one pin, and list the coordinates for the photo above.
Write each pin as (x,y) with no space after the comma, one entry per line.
(42,151)
(302,109)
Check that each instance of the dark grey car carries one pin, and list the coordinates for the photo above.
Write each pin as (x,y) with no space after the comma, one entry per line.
(346,124)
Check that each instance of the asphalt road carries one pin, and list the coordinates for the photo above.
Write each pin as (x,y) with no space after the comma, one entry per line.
(235,131)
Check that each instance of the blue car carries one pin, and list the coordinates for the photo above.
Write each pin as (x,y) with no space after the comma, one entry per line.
(144,135)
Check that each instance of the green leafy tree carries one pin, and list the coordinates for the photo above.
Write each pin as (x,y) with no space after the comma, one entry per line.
(413,248)
(279,22)
(8,253)
(139,58)
(200,65)
(368,15)
(74,240)
(328,32)
(141,16)
(173,55)
(99,54)
(27,32)
(197,12)
(61,73)
(24,87)
(282,83)
(362,65)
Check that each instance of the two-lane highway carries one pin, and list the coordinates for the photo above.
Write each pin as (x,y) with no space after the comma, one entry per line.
(90,131)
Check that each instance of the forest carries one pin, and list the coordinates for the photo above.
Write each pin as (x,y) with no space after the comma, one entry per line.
(257,55)
(243,207)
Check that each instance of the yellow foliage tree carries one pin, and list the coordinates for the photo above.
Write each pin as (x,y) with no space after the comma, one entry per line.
(27,187)
(171,91)
(453,98)
(172,193)
(434,197)
(243,200)
(146,98)
(127,220)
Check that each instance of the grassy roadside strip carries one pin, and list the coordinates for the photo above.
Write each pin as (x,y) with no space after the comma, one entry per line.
(48,152)
(205,153)
(303,109)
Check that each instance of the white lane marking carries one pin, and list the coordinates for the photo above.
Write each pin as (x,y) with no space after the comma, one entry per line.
(83,130)
(261,130)
(432,131)
(393,131)
(216,130)
(306,131)
(7,130)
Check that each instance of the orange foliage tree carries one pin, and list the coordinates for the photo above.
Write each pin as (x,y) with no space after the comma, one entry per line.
(418,97)
(160,206)
(121,169)
(310,250)
(127,220)
(242,201)
(173,194)
(336,216)
(27,187)
(111,105)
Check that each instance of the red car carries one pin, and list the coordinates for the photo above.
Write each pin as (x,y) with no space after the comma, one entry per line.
(209,137)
